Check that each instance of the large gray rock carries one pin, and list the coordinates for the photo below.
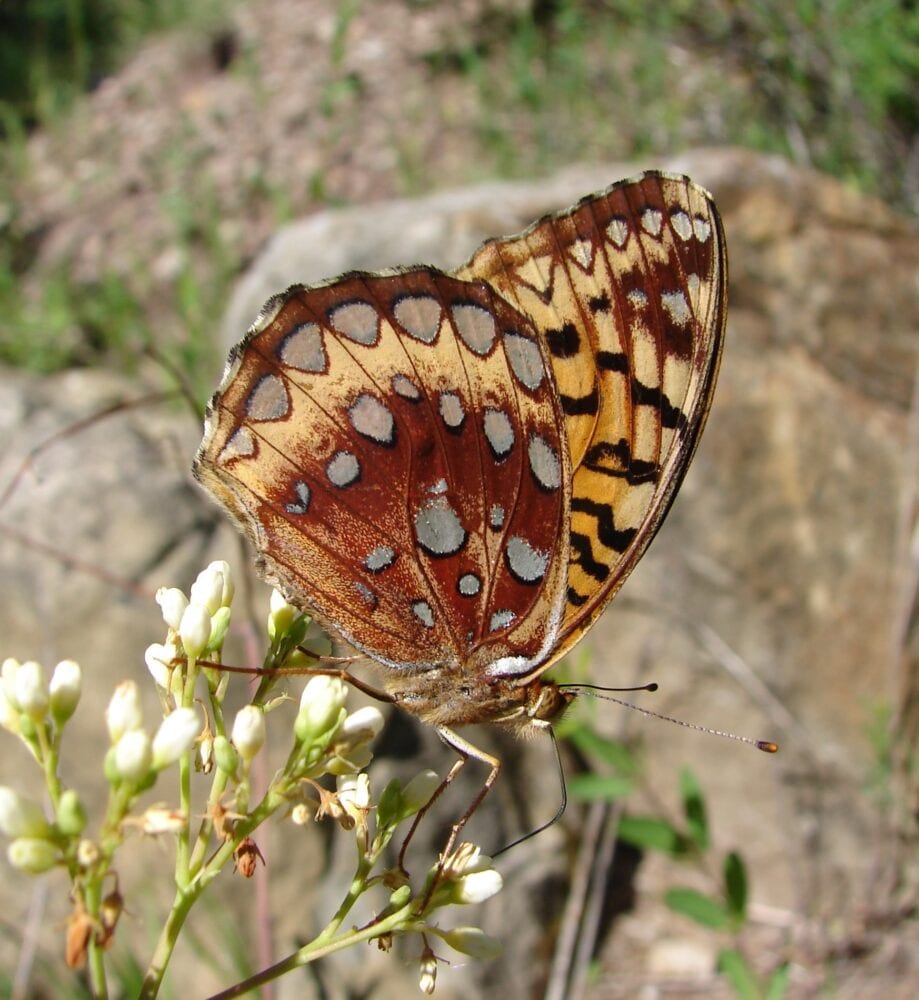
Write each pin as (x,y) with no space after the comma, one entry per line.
(766,606)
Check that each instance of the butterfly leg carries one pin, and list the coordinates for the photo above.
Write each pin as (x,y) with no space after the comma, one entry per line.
(465,750)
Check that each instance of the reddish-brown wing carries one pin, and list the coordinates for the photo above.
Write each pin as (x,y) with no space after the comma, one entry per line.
(627,290)
(393,446)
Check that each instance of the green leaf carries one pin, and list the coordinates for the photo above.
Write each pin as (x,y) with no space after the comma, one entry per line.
(733,966)
(391,806)
(702,909)
(598,787)
(651,832)
(777,988)
(694,809)
(735,886)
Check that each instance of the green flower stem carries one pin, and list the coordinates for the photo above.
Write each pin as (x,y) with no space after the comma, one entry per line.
(183,840)
(92,900)
(182,904)
(325,944)
(202,841)
(49,762)
(197,878)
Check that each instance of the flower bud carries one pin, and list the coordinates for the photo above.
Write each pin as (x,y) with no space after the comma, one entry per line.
(249,731)
(220,624)
(71,816)
(229,587)
(419,792)
(473,942)
(207,590)
(65,688)
(428,966)
(400,896)
(176,735)
(9,714)
(30,690)
(281,615)
(132,756)
(321,707)
(21,817)
(195,629)
(225,755)
(172,603)
(123,714)
(8,672)
(32,856)
(205,759)
(301,814)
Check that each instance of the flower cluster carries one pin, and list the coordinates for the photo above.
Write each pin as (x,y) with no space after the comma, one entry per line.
(323,775)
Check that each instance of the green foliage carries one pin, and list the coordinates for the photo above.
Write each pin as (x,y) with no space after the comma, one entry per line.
(53,50)
(698,907)
(723,909)
(66,323)
(832,83)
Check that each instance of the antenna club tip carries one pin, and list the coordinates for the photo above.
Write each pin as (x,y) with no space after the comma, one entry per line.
(767,746)
(652,686)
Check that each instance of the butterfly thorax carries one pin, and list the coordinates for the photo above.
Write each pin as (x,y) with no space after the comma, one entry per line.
(446,697)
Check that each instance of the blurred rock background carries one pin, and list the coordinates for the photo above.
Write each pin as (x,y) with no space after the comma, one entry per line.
(163,172)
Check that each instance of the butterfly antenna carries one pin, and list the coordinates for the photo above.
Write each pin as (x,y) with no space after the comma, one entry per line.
(562,805)
(767,746)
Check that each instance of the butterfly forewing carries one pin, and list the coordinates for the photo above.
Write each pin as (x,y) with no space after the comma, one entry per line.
(627,291)
(394,446)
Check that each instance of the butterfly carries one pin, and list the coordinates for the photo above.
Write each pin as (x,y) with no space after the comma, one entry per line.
(457,471)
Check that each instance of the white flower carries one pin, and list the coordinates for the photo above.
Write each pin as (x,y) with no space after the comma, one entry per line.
(466,858)
(88,853)
(477,886)
(133,755)
(30,690)
(195,629)
(159,658)
(354,795)
(19,816)
(66,687)
(176,735)
(248,733)
(161,819)
(172,603)
(123,713)
(361,726)
(207,590)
